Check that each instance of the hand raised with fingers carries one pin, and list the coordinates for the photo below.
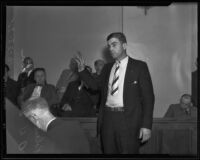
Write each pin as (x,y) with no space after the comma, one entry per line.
(80,61)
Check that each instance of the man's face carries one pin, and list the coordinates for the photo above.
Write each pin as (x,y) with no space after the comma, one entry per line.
(99,66)
(40,77)
(185,102)
(28,62)
(116,48)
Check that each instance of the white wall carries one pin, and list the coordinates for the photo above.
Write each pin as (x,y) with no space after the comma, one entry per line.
(52,35)
(166,38)
(163,38)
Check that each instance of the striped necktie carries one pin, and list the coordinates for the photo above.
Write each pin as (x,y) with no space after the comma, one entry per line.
(115,83)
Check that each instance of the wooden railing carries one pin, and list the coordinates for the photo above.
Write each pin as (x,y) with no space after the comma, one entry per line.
(169,136)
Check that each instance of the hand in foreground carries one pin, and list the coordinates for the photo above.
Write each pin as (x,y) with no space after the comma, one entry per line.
(80,61)
(67,107)
(145,134)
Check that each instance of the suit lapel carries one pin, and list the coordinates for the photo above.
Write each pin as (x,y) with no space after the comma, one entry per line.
(107,80)
(44,91)
(129,71)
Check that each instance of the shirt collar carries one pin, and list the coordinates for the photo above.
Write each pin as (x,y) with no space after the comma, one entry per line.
(123,61)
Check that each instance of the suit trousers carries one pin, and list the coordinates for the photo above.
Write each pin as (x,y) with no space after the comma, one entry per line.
(116,136)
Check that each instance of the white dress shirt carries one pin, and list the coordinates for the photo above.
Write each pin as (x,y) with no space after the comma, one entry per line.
(117,100)
(36,92)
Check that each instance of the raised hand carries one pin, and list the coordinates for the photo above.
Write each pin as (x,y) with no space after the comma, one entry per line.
(80,61)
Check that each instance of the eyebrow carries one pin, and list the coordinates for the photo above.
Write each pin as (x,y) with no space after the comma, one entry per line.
(113,43)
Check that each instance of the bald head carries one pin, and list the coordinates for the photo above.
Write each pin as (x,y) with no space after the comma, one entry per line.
(37,111)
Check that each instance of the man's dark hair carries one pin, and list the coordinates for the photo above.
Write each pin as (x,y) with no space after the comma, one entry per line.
(7,67)
(98,60)
(118,35)
(39,69)
(186,96)
(27,58)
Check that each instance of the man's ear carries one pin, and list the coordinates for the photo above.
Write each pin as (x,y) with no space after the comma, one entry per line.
(124,46)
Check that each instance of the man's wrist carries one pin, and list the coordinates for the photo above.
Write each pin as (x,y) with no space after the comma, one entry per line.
(80,69)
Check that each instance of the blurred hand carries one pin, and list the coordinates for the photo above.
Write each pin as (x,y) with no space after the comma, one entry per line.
(145,134)
(80,61)
(27,68)
(67,107)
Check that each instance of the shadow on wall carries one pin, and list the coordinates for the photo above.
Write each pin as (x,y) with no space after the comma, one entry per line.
(106,54)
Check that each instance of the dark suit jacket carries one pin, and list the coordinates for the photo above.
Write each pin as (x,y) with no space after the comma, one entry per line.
(138,93)
(175,111)
(24,79)
(69,136)
(80,101)
(48,93)
(12,90)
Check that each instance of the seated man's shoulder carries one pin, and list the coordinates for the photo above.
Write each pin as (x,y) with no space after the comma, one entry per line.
(138,62)
(174,106)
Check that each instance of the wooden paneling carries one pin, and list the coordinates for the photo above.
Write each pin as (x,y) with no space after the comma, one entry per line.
(168,136)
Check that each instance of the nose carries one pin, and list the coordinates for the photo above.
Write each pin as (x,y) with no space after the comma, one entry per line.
(111,49)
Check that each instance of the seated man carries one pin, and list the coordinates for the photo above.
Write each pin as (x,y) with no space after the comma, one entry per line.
(67,76)
(77,101)
(40,89)
(12,88)
(182,110)
(67,134)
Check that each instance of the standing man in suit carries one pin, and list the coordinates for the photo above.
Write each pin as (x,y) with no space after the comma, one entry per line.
(126,111)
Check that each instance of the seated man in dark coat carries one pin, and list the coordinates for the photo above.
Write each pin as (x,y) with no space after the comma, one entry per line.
(12,88)
(77,100)
(26,77)
(40,89)
(183,110)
